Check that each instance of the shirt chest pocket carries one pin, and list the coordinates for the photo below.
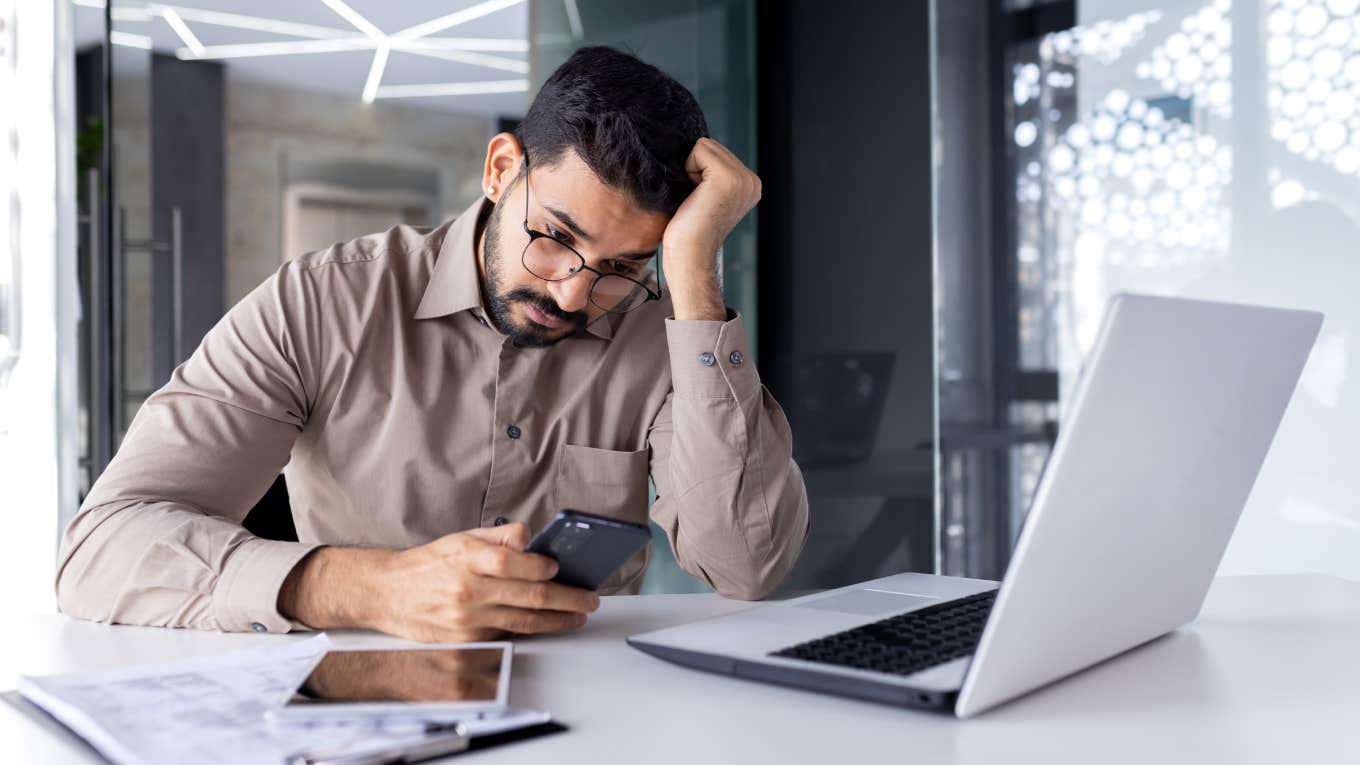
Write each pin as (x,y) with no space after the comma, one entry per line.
(609,483)
(603,482)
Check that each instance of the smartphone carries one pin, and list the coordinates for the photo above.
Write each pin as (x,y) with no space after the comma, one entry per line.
(588,548)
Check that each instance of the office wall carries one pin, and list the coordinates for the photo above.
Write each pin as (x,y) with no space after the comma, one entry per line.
(273,137)
(277,136)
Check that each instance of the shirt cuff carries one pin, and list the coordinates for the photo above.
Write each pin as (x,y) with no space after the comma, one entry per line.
(247,595)
(711,359)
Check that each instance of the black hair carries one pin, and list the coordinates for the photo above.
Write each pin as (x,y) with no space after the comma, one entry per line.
(631,123)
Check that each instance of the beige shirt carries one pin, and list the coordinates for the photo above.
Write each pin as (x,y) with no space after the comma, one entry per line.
(368,374)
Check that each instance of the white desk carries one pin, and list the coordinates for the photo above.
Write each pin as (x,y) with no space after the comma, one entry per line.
(1269,673)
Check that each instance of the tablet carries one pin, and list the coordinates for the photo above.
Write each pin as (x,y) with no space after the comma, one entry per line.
(438,680)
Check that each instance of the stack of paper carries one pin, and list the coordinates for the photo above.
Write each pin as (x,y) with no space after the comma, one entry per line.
(211,710)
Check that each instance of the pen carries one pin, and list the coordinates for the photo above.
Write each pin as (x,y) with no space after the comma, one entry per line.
(438,741)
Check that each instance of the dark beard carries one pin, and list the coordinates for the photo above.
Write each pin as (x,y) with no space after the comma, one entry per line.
(528,335)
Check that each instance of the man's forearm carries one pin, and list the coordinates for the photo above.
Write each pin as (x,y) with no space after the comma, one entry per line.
(335,588)
(696,294)
(722,463)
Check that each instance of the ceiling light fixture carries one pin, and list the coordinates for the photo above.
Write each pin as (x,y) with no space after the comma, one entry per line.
(453,89)
(476,51)
(176,23)
(252,23)
(130,40)
(489,44)
(574,19)
(456,18)
(375,73)
(356,19)
(289,48)
(119,14)
(478,59)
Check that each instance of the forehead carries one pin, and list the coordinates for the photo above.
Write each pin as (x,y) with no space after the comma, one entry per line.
(615,223)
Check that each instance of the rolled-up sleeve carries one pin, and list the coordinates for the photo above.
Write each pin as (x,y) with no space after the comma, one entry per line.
(159,540)
(729,495)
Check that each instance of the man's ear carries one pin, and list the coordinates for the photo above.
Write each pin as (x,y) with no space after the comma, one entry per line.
(503,159)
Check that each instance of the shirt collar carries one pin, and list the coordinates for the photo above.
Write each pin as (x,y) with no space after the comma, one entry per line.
(455,286)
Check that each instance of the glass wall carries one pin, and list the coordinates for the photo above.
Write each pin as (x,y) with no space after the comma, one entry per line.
(246,134)
(1200,148)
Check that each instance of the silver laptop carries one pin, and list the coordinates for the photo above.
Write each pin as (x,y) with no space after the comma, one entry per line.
(1167,429)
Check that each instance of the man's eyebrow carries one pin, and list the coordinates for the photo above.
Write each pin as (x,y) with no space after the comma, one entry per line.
(569,223)
(583,236)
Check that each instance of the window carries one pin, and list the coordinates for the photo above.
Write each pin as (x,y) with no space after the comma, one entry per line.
(9,202)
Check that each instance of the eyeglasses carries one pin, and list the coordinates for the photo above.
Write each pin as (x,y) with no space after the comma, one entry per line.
(553,260)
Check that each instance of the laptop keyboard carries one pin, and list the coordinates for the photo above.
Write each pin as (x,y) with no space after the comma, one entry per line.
(906,643)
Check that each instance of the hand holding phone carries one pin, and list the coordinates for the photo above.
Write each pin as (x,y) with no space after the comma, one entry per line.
(588,548)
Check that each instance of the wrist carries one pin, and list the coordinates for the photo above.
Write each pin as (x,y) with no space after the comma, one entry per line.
(690,264)
(335,588)
(696,292)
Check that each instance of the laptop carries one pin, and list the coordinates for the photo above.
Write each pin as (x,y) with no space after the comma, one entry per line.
(1167,428)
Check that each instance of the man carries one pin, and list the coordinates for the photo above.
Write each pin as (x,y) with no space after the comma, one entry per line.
(434,395)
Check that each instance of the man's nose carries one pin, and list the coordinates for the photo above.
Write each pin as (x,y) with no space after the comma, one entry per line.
(572,294)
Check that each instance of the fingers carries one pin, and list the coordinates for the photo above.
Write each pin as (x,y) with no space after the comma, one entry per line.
(541,596)
(694,166)
(712,159)
(506,563)
(512,535)
(528,621)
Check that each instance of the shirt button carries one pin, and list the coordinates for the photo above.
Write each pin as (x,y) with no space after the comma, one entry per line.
(513,431)
(736,358)
(706,359)
(258,627)
(500,521)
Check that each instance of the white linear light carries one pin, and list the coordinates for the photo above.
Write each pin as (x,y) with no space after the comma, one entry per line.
(289,48)
(456,18)
(354,17)
(413,40)
(454,89)
(375,73)
(130,41)
(186,34)
(119,14)
(489,44)
(274,26)
(254,23)
(574,19)
(478,59)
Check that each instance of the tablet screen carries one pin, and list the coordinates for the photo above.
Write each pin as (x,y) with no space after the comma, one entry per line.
(436,675)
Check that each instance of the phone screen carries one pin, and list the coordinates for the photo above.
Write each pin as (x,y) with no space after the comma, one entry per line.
(447,675)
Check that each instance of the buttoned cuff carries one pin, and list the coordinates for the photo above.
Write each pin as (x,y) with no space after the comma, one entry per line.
(711,359)
(247,594)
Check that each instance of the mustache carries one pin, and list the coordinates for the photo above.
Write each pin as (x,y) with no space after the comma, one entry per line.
(547,306)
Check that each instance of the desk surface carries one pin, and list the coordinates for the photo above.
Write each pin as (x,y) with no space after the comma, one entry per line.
(1269,673)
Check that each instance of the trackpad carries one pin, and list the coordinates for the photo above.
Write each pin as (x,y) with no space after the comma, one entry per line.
(870,602)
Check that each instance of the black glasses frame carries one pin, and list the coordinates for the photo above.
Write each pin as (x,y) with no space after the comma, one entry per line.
(536,235)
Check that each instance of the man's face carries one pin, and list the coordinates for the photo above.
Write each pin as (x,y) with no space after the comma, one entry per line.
(567,201)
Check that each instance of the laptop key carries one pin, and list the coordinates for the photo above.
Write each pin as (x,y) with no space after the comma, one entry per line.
(906,643)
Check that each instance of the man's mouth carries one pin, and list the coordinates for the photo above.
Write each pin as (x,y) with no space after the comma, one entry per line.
(539,317)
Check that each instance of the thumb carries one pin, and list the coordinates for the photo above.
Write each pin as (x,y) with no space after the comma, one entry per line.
(512,535)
